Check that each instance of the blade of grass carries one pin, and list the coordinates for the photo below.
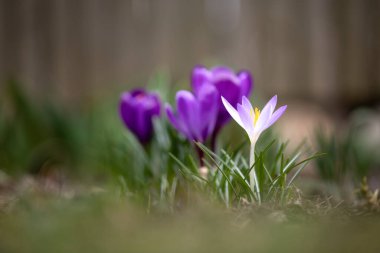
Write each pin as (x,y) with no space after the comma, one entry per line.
(185,169)
(201,146)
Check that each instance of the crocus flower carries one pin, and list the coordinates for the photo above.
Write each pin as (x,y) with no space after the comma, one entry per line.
(196,114)
(232,86)
(254,123)
(137,108)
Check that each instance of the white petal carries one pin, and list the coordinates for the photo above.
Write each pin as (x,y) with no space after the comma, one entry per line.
(246,104)
(272,104)
(276,115)
(264,117)
(246,120)
(232,111)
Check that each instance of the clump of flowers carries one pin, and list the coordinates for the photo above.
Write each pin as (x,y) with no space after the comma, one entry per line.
(218,94)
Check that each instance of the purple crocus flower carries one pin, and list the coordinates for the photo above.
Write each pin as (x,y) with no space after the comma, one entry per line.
(137,108)
(196,114)
(229,85)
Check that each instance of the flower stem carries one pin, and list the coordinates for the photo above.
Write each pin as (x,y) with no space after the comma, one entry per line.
(200,155)
(252,174)
(213,138)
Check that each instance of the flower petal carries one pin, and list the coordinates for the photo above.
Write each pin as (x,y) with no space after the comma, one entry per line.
(176,123)
(246,104)
(137,108)
(224,79)
(265,115)
(272,104)
(276,115)
(125,106)
(222,70)
(231,92)
(154,105)
(231,110)
(209,105)
(246,119)
(246,82)
(128,111)
(138,91)
(188,110)
(199,76)
(143,124)
(172,119)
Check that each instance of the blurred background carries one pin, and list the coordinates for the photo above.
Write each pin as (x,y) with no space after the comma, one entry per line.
(322,51)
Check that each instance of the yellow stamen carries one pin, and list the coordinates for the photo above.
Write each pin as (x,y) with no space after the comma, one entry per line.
(257,114)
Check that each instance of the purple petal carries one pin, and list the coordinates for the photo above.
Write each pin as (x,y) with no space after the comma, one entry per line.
(178,125)
(172,119)
(208,99)
(143,126)
(199,76)
(137,109)
(246,83)
(126,109)
(125,96)
(188,111)
(138,91)
(276,115)
(226,85)
(155,106)
(224,74)
(231,92)
(222,70)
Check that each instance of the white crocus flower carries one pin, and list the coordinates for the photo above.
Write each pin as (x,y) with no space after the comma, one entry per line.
(254,123)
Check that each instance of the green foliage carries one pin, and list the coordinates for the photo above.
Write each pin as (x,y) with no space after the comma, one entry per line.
(36,136)
(349,156)
(145,173)
(227,177)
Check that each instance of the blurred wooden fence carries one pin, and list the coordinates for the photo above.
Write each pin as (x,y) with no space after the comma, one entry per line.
(326,50)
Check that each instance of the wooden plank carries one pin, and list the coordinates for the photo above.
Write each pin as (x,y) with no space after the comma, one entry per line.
(44,44)
(12,38)
(73,50)
(2,41)
(324,47)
